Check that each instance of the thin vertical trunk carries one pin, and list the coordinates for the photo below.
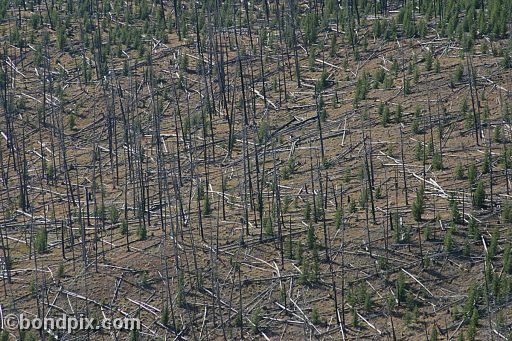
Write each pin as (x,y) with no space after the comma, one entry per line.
(403,166)
(475,118)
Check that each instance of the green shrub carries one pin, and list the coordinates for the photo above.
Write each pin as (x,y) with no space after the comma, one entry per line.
(315,317)
(507,259)
(437,161)
(385,116)
(498,134)
(400,288)
(378,192)
(361,88)
(352,207)
(487,163)
(311,237)
(72,122)
(473,229)
(448,241)
(437,66)
(418,206)
(467,248)
(507,60)
(388,81)
(506,213)
(399,113)
(479,196)
(459,171)
(418,151)
(181,295)
(124,227)
(255,319)
(459,72)
(427,233)
(407,87)
(61,37)
(310,26)
(416,126)
(472,174)
(433,334)
(142,232)
(338,218)
(307,212)
(164,316)
(300,253)
(114,214)
(493,246)
(428,60)
(41,241)
(207,206)
(456,217)
(61,271)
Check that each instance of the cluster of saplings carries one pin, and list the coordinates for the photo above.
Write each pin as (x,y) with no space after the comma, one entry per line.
(90,30)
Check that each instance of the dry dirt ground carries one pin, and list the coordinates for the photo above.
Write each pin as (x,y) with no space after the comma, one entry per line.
(392,276)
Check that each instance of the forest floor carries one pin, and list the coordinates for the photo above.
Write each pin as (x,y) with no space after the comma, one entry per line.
(134,237)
